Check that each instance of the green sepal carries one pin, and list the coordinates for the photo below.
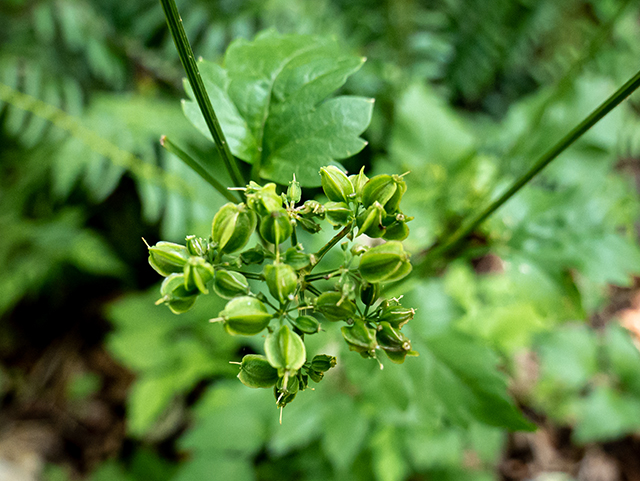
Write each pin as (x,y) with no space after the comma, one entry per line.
(336,185)
(245,316)
(335,307)
(256,372)
(168,258)
(306,324)
(230,284)
(386,262)
(197,273)
(276,227)
(282,281)
(232,227)
(285,350)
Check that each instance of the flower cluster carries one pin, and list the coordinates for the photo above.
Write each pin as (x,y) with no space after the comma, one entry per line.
(296,299)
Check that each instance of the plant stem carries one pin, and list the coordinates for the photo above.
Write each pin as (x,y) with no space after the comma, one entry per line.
(329,245)
(195,166)
(453,240)
(193,75)
(320,275)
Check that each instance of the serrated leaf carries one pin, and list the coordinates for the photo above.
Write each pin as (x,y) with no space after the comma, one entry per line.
(270,100)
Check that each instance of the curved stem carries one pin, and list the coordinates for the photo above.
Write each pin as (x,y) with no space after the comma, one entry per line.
(453,240)
(329,245)
(204,102)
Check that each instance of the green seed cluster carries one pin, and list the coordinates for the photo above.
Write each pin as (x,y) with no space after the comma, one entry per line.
(296,300)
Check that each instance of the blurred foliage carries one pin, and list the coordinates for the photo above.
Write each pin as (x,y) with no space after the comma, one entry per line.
(468,93)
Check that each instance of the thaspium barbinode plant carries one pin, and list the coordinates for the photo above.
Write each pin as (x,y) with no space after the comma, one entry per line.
(287,305)
(271,98)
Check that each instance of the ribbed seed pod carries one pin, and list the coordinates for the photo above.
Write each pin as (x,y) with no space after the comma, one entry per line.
(256,372)
(230,284)
(282,281)
(168,258)
(336,185)
(244,316)
(334,307)
(386,262)
(232,227)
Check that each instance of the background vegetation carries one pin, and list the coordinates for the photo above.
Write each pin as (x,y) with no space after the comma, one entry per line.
(98,383)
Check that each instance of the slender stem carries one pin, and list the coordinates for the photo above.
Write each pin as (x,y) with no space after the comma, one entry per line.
(329,245)
(470,225)
(313,290)
(320,275)
(193,75)
(191,162)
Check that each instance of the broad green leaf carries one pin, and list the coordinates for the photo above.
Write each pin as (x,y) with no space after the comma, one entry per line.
(269,97)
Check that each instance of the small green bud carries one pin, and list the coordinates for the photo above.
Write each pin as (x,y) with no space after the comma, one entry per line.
(360,338)
(276,227)
(197,246)
(263,200)
(396,316)
(294,192)
(244,316)
(309,225)
(306,324)
(380,188)
(395,344)
(285,351)
(323,362)
(175,295)
(386,262)
(197,273)
(167,258)
(256,372)
(338,213)
(370,221)
(334,307)
(230,284)
(255,255)
(296,259)
(358,182)
(369,293)
(282,281)
(232,227)
(336,185)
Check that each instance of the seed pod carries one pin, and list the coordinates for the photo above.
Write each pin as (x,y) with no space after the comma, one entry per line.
(360,338)
(323,362)
(380,188)
(393,204)
(230,284)
(395,344)
(263,200)
(244,316)
(282,281)
(197,273)
(334,307)
(336,185)
(256,372)
(276,227)
(197,246)
(370,221)
(306,324)
(294,192)
(398,231)
(232,227)
(358,182)
(369,293)
(309,225)
(386,262)
(167,258)
(285,351)
(175,295)
(338,213)
(296,259)
(396,316)
(255,255)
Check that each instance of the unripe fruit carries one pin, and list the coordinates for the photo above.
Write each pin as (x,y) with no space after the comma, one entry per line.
(335,307)
(285,350)
(168,258)
(197,246)
(369,222)
(380,188)
(338,213)
(197,273)
(358,182)
(294,192)
(256,372)
(306,324)
(369,293)
(244,316)
(232,227)
(396,316)
(263,200)
(336,185)
(395,344)
(276,227)
(360,338)
(175,295)
(230,284)
(282,281)
(386,262)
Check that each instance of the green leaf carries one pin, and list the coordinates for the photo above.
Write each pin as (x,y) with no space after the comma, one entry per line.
(270,99)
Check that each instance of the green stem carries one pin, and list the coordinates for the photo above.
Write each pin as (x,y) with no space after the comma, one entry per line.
(329,245)
(193,75)
(195,166)
(313,290)
(453,240)
(320,275)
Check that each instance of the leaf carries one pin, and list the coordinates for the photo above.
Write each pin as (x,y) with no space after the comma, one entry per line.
(270,100)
